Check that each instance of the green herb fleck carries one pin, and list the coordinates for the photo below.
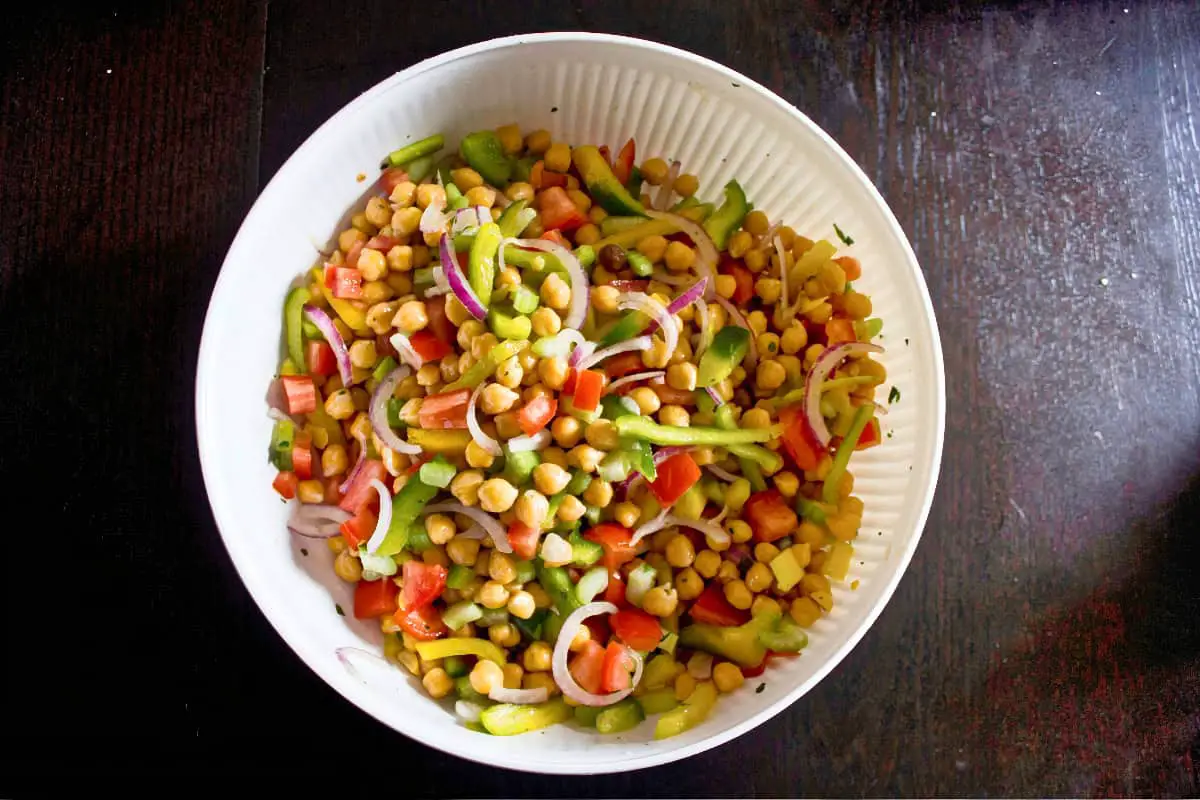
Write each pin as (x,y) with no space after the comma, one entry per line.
(889,434)
(304,551)
(846,240)
(893,396)
(760,688)
(906,341)
(338,608)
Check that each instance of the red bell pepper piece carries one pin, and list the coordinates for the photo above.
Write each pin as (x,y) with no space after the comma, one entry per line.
(320,358)
(423,583)
(285,483)
(743,278)
(300,393)
(374,598)
(559,211)
(712,608)
(624,364)
(439,323)
(636,628)
(428,346)
(359,493)
(358,529)
(423,624)
(615,540)
(675,476)
(391,178)
(798,438)
(588,386)
(524,539)
(536,414)
(446,410)
(870,436)
(769,515)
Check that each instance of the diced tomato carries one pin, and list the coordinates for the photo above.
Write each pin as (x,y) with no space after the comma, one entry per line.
(870,436)
(636,628)
(330,275)
(840,330)
(423,583)
(769,515)
(320,358)
(524,539)
(285,484)
(618,668)
(568,387)
(712,608)
(446,410)
(302,462)
(359,493)
(743,278)
(669,394)
(542,178)
(391,178)
(358,529)
(624,364)
(537,413)
(598,627)
(423,624)
(615,593)
(428,346)
(374,598)
(587,667)
(382,243)
(615,540)
(535,174)
(439,323)
(588,385)
(300,393)
(557,238)
(850,266)
(558,210)
(331,485)
(347,283)
(798,439)
(623,166)
(675,476)
(352,255)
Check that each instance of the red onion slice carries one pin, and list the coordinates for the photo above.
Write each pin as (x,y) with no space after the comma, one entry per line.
(473,532)
(482,439)
(325,324)
(580,353)
(562,674)
(715,396)
(378,413)
(636,343)
(662,199)
(467,711)
(707,254)
(519,696)
(317,521)
(634,378)
(580,288)
(358,465)
(458,282)
(489,523)
(405,349)
(524,444)
(650,527)
(820,371)
(640,301)
(740,320)
(385,516)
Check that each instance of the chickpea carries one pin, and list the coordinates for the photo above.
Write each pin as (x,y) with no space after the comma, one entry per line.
(440,528)
(465,486)
(756,418)
(583,635)
(558,157)
(674,415)
(519,191)
(508,425)
(545,322)
(726,285)
(602,434)
(686,185)
(727,677)
(404,194)
(406,221)
(437,683)
(689,584)
(347,567)
(740,244)
(509,373)
(556,456)
(334,460)
(585,457)
(566,431)
(765,605)
(496,399)
(793,340)
(654,170)
(755,260)
(647,400)
(538,657)
(571,508)
(531,508)
(481,196)
(604,299)
(538,142)
(738,594)
(598,493)
(679,257)
(350,237)
(429,376)
(411,317)
(462,551)
(661,601)
(553,371)
(497,495)
(657,356)
(430,194)
(759,578)
(627,514)
(493,595)
(770,375)
(653,247)
(486,675)
(680,552)
(339,405)
(362,353)
(856,305)
(682,376)
(804,611)
(550,479)
(521,604)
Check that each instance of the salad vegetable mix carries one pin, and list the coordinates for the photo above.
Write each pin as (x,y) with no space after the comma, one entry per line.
(579,439)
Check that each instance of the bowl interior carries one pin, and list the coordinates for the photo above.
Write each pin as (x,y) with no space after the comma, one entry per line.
(583,88)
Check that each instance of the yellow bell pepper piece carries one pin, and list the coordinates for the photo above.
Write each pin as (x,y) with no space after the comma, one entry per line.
(694,711)
(446,442)
(442,648)
(655,227)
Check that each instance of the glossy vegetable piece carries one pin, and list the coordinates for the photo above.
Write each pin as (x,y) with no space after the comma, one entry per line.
(636,628)
(478,372)
(419,149)
(285,484)
(423,583)
(374,598)
(617,669)
(423,624)
(588,386)
(675,476)
(746,644)
(711,608)
(483,151)
(481,264)
(723,356)
(445,410)
(769,515)
(841,459)
(519,466)
(729,217)
(658,701)
(508,325)
(622,716)
(300,393)
(615,539)
(283,441)
(358,491)
(523,539)
(559,212)
(506,719)
(654,227)
(407,505)
(646,429)
(798,439)
(602,184)
(444,442)
(293,319)
(587,666)
(537,413)
(358,529)
(354,317)
(687,716)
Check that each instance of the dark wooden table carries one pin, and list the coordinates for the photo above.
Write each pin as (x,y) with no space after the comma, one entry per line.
(1043,158)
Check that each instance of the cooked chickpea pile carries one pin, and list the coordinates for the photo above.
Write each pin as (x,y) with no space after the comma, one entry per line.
(785,532)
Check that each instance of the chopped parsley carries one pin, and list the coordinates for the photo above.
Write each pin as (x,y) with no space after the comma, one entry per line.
(893,396)
(846,240)
(760,688)
(338,608)
(304,551)
(905,340)
(889,434)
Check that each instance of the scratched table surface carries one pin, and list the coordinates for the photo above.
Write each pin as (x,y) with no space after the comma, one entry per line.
(1044,160)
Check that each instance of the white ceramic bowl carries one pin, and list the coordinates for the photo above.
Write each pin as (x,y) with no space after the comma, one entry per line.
(583,88)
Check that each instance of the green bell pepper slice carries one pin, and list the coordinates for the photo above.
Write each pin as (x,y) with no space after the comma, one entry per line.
(646,429)
(293,321)
(841,459)
(729,217)
(515,218)
(483,151)
(507,325)
(728,348)
(283,439)
(687,716)
(481,265)
(620,717)
(406,507)
(507,719)
(478,372)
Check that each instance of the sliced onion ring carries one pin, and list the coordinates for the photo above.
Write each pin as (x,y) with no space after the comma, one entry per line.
(378,412)
(707,255)
(467,711)
(816,376)
(519,696)
(647,528)
(407,353)
(385,516)
(636,343)
(317,521)
(721,473)
(640,301)
(524,444)
(458,282)
(433,219)
(358,465)
(634,378)
(562,673)
(489,523)
(715,396)
(739,319)
(323,322)
(482,439)
(580,288)
(662,199)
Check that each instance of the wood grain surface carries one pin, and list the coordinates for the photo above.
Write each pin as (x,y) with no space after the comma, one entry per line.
(1044,159)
